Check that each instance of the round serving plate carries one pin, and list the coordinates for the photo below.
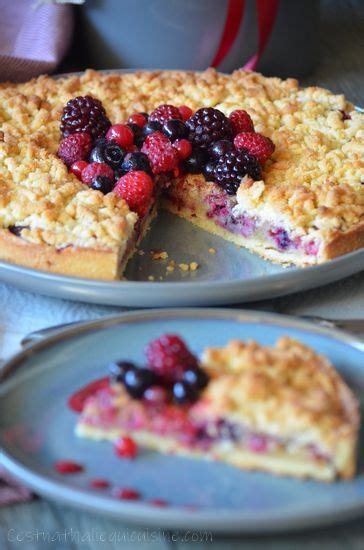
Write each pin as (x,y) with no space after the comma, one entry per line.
(230,275)
(37,429)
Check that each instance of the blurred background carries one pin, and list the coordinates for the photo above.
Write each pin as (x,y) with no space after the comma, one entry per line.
(308,39)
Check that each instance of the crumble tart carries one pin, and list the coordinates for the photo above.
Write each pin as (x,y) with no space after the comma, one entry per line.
(307,207)
(281,409)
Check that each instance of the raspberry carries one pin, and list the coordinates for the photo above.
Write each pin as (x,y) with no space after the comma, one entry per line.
(183,148)
(138,119)
(232,167)
(260,146)
(74,147)
(90,173)
(136,188)
(125,447)
(121,134)
(169,357)
(208,125)
(160,152)
(185,112)
(77,168)
(241,121)
(165,112)
(84,114)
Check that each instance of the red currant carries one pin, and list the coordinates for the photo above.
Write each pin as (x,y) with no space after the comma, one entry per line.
(138,119)
(122,134)
(183,148)
(125,447)
(77,167)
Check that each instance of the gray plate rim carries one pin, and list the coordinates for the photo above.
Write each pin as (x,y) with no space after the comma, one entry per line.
(168,517)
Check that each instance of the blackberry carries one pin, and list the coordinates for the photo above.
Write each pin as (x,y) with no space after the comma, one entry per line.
(109,152)
(84,114)
(208,125)
(136,161)
(234,165)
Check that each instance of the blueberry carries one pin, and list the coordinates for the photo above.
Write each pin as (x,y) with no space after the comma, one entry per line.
(138,380)
(175,129)
(136,161)
(196,377)
(103,184)
(151,127)
(145,115)
(221,147)
(118,369)
(138,133)
(184,393)
(208,171)
(111,153)
(195,162)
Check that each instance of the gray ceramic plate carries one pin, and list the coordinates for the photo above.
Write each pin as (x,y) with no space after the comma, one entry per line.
(36,429)
(232,275)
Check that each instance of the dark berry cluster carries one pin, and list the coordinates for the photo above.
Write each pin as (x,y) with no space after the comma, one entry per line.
(124,158)
(172,373)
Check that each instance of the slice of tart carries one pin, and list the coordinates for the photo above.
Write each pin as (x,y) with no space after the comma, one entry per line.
(281,409)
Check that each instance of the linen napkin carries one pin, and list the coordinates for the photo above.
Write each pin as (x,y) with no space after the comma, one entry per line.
(33,38)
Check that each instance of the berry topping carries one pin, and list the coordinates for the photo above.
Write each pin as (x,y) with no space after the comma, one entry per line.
(77,168)
(139,119)
(138,380)
(121,134)
(90,173)
(160,152)
(155,395)
(183,148)
(169,357)
(260,146)
(103,184)
(74,147)
(184,393)
(241,121)
(109,152)
(84,114)
(99,483)
(208,125)
(221,147)
(68,467)
(151,127)
(196,377)
(209,171)
(232,167)
(125,447)
(175,129)
(136,188)
(138,133)
(195,162)
(127,493)
(118,369)
(185,112)
(136,161)
(165,112)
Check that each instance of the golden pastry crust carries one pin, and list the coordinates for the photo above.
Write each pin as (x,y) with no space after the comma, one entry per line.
(286,390)
(313,183)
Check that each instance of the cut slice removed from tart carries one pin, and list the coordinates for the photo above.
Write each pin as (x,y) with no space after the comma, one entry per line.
(282,409)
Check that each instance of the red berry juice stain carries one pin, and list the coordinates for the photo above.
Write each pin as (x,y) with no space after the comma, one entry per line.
(99,483)
(127,493)
(77,401)
(159,502)
(68,467)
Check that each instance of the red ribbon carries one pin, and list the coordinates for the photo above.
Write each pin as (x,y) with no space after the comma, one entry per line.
(267,12)
(234,18)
